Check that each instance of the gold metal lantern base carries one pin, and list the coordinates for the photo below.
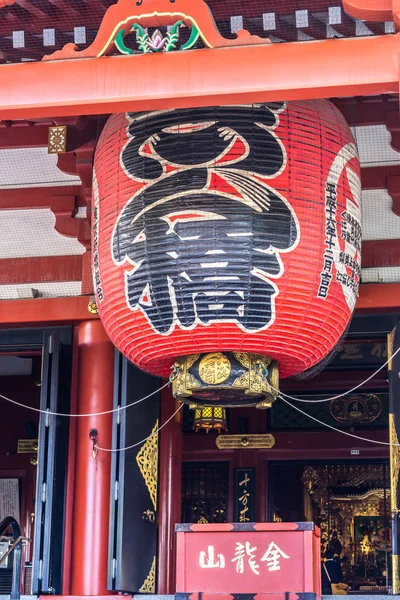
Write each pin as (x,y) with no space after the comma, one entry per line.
(226,379)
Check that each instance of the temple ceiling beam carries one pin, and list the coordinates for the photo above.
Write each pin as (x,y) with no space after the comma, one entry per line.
(258,73)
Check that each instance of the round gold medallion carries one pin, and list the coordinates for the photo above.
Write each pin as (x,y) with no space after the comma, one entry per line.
(214,368)
(92,307)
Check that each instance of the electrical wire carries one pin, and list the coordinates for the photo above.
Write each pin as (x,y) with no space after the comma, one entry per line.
(142,441)
(104,412)
(282,395)
(338,395)
(353,435)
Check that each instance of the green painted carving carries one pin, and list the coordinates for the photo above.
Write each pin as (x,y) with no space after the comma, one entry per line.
(157,42)
(194,36)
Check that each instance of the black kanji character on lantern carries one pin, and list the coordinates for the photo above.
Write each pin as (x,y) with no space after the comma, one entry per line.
(201,137)
(200,256)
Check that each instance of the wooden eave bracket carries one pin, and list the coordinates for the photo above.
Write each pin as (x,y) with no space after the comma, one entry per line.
(378,11)
(393,188)
(80,162)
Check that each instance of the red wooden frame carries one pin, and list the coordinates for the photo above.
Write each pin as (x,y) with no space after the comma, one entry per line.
(188,577)
(291,71)
(374,297)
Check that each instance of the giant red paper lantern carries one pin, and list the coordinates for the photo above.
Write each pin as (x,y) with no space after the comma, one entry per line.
(230,229)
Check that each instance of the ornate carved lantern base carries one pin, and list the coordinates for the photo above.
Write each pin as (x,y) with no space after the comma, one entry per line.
(226,379)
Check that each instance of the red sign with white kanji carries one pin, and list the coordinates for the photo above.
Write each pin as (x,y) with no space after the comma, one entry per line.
(248,558)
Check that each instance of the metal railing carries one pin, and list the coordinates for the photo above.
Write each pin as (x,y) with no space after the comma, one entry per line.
(16,548)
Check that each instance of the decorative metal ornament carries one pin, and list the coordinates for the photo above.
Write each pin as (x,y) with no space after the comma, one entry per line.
(149,585)
(147,461)
(210,417)
(92,307)
(250,441)
(226,379)
(361,408)
(57,139)
(226,231)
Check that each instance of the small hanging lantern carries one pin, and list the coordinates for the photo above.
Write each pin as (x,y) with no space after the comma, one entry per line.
(210,417)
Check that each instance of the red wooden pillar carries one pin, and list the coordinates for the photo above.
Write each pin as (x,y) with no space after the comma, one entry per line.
(92,483)
(170,485)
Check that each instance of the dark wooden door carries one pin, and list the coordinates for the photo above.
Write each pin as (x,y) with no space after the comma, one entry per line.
(52,463)
(134,478)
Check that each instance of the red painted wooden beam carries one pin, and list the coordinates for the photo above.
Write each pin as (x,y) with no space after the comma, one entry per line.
(328,381)
(381,253)
(367,110)
(378,297)
(40,269)
(370,10)
(40,197)
(27,136)
(292,71)
(374,297)
(45,311)
(292,445)
(376,178)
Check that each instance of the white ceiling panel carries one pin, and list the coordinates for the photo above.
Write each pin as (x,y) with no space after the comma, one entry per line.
(46,290)
(380,275)
(32,167)
(373,142)
(31,233)
(378,219)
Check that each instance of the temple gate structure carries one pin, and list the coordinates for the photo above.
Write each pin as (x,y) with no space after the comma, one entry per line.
(199,296)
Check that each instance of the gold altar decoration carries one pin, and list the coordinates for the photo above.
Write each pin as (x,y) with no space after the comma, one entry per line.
(327,486)
(226,379)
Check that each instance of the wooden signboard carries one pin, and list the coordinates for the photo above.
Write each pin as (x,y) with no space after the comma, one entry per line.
(275,560)
(244,495)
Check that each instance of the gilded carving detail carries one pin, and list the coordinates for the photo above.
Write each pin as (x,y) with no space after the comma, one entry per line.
(191,381)
(395,574)
(243,358)
(191,359)
(242,382)
(57,139)
(147,460)
(394,462)
(149,585)
(226,379)
(203,521)
(214,368)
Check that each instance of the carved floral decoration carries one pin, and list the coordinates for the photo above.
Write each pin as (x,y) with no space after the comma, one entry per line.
(125,17)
